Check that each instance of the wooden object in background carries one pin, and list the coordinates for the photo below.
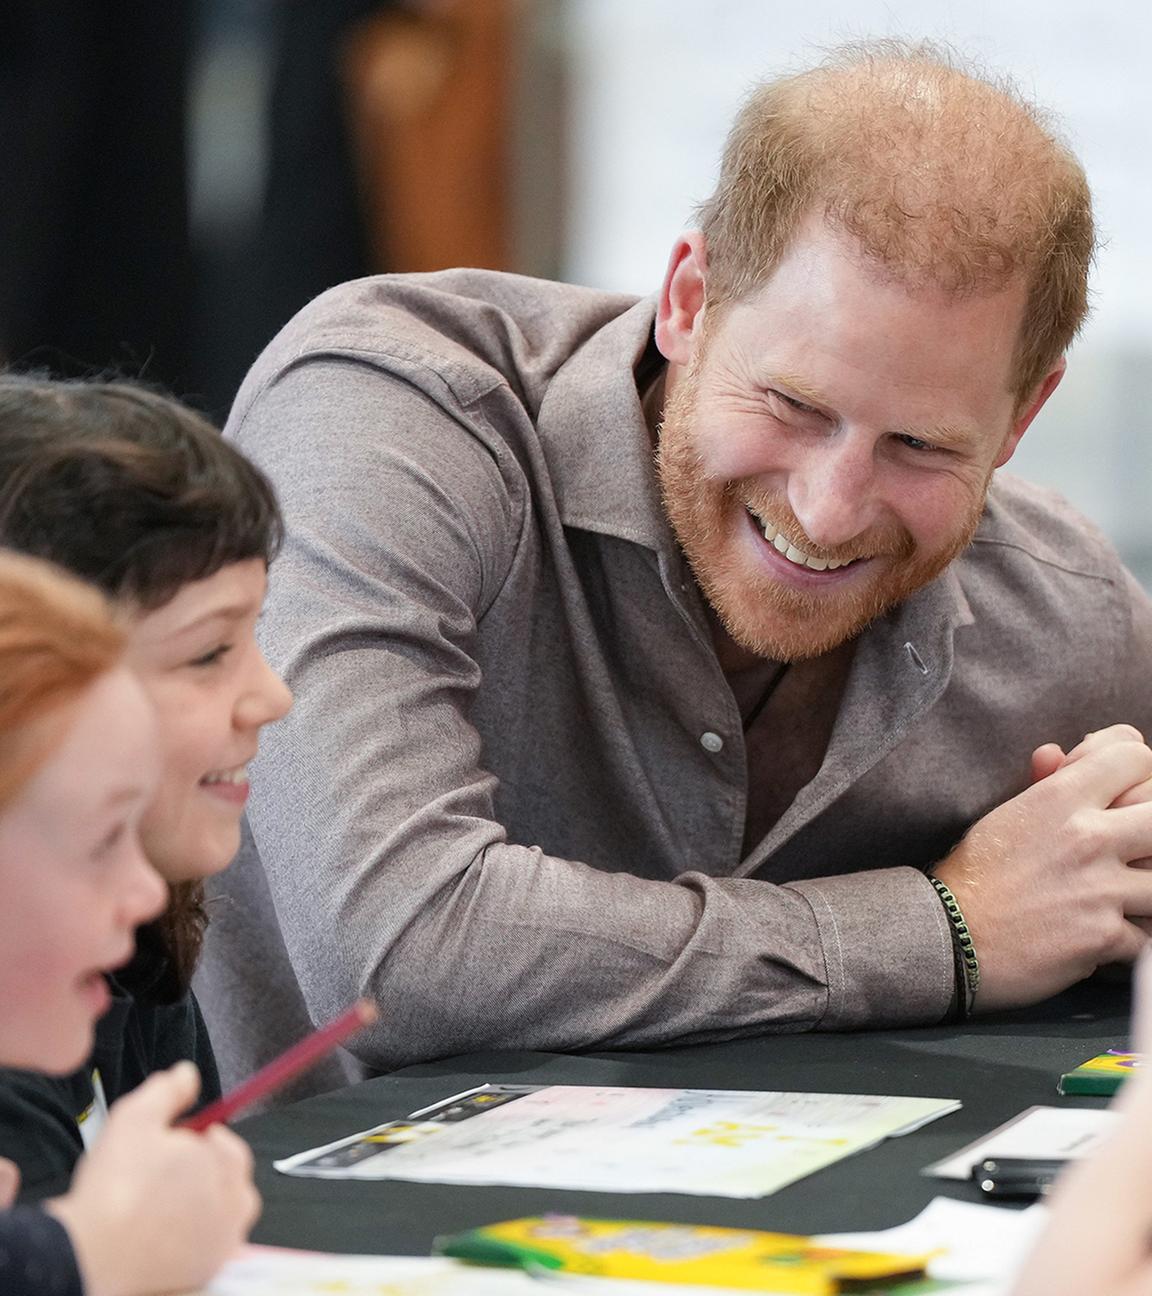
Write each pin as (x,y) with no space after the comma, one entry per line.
(429,97)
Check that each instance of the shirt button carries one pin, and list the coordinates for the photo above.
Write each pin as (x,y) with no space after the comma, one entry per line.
(711,742)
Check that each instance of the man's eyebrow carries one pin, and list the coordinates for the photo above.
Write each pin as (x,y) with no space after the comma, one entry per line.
(946,435)
(799,388)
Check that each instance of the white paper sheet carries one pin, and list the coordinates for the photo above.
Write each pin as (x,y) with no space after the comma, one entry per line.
(983,1245)
(270,1271)
(1039,1132)
(726,1143)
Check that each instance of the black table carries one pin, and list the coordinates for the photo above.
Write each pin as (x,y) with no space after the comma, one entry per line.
(996,1067)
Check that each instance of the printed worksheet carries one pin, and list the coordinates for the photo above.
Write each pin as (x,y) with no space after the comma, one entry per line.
(714,1142)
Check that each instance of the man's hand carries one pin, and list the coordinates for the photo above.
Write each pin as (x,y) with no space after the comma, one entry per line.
(1051,757)
(154,1208)
(1045,882)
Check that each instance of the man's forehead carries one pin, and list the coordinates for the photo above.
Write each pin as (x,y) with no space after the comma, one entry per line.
(824,275)
(819,243)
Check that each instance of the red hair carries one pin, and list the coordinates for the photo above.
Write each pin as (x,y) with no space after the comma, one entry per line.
(943,178)
(57,637)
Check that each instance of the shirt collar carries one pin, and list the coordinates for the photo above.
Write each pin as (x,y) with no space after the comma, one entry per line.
(595,438)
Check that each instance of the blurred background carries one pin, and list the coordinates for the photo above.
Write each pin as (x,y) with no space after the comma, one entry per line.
(177,178)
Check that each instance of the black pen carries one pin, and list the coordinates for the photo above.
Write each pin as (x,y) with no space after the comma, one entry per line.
(1016,1176)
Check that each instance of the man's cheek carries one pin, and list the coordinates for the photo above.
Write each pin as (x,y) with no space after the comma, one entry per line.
(733,451)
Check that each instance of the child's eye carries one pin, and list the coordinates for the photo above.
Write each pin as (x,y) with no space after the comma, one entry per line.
(211,658)
(110,840)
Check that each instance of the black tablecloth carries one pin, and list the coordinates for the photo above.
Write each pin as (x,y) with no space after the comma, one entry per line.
(996,1067)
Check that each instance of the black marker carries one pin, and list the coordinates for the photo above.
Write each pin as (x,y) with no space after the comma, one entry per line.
(1016,1176)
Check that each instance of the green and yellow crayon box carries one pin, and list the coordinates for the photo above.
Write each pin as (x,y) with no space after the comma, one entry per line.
(1103,1074)
(743,1259)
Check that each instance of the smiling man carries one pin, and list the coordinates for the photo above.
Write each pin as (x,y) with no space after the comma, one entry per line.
(826,447)
(680,669)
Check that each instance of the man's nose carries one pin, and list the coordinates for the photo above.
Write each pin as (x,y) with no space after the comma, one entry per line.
(832,489)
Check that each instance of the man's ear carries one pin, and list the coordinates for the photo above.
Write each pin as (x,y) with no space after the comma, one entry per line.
(680,310)
(1028,412)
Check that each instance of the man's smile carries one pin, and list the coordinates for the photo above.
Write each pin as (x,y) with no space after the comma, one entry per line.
(828,569)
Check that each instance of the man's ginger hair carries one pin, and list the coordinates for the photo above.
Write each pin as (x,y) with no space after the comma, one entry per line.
(945,180)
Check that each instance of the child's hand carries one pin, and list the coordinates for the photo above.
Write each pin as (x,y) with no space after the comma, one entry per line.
(153,1208)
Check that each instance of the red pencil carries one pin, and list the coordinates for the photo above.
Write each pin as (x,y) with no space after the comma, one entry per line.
(282,1069)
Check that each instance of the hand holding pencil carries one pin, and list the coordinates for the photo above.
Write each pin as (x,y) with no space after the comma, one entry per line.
(152,1208)
(286,1067)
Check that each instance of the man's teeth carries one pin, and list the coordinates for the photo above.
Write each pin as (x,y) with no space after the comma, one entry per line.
(798,556)
(227,776)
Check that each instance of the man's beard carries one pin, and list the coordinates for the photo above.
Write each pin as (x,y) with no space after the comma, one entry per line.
(761,614)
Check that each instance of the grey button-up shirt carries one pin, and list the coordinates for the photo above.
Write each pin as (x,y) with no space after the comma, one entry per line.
(510,800)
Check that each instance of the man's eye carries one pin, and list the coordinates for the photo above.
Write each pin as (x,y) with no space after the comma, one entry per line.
(915,443)
(211,658)
(793,403)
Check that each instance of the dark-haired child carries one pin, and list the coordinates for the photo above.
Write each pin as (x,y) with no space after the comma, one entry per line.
(142,497)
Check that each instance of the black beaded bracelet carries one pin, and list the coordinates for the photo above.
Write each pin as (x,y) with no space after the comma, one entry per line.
(966,961)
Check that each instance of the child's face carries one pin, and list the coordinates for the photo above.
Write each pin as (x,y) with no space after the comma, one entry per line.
(213,691)
(74,881)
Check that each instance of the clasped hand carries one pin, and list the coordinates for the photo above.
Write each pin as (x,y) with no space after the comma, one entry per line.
(1050,882)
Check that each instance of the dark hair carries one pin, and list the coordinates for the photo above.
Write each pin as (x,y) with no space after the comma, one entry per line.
(127,488)
(139,495)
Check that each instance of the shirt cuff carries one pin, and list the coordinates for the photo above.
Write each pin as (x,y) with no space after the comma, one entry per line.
(887,948)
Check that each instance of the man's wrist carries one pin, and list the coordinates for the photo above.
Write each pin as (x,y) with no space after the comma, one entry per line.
(964,952)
